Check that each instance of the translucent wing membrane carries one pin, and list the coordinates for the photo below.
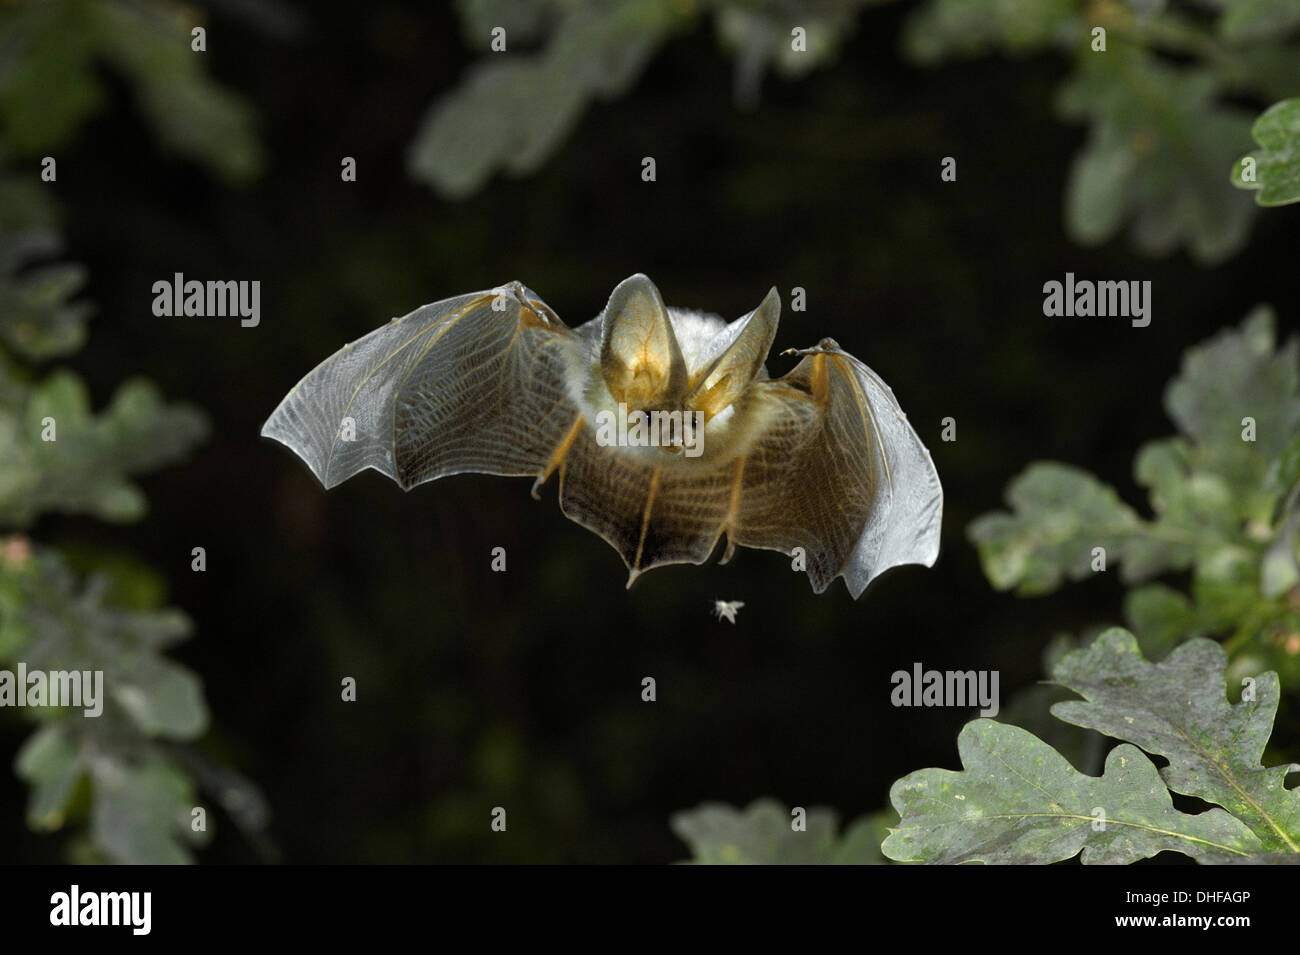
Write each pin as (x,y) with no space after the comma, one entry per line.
(821,460)
(859,481)
(838,472)
(474,383)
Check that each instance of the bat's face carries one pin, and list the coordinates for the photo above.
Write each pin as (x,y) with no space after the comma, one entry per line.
(663,427)
(661,366)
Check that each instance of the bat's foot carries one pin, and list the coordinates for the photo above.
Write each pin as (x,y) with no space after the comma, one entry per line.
(825,345)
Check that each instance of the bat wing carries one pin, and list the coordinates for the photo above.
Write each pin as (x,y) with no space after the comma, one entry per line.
(835,470)
(493,382)
(473,383)
(841,474)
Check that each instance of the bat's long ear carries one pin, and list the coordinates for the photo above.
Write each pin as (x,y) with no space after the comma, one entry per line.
(639,355)
(735,356)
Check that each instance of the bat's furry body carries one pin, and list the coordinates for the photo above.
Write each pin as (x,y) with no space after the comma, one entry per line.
(493,382)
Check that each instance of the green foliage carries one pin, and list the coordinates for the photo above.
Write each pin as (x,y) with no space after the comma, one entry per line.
(1030,708)
(1157,139)
(49,84)
(1223,503)
(514,109)
(1018,800)
(1223,495)
(110,768)
(758,35)
(513,113)
(762,834)
(1160,101)
(976,27)
(51,623)
(1177,709)
(85,468)
(128,772)
(37,321)
(1277,166)
(140,796)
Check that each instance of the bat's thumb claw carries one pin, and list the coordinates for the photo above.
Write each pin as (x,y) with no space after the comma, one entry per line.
(825,345)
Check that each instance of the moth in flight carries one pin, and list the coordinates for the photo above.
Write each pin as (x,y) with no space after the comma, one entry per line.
(727,609)
(662,426)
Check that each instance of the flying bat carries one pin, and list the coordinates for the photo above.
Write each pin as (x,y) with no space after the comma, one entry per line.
(662,424)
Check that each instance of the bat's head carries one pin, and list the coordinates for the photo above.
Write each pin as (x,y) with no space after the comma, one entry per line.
(685,369)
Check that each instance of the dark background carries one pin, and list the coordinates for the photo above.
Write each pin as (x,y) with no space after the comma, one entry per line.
(522,689)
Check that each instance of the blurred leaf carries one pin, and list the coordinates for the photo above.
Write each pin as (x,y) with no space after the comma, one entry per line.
(190,112)
(513,110)
(49,84)
(141,796)
(521,19)
(162,698)
(1059,514)
(48,762)
(1240,373)
(1160,616)
(761,834)
(1215,491)
(1249,20)
(1160,100)
(1277,165)
(55,625)
(26,206)
(969,28)
(142,813)
(36,319)
(87,465)
(1157,144)
(761,35)
(1019,801)
(860,844)
(1178,709)
(1280,570)
(119,767)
